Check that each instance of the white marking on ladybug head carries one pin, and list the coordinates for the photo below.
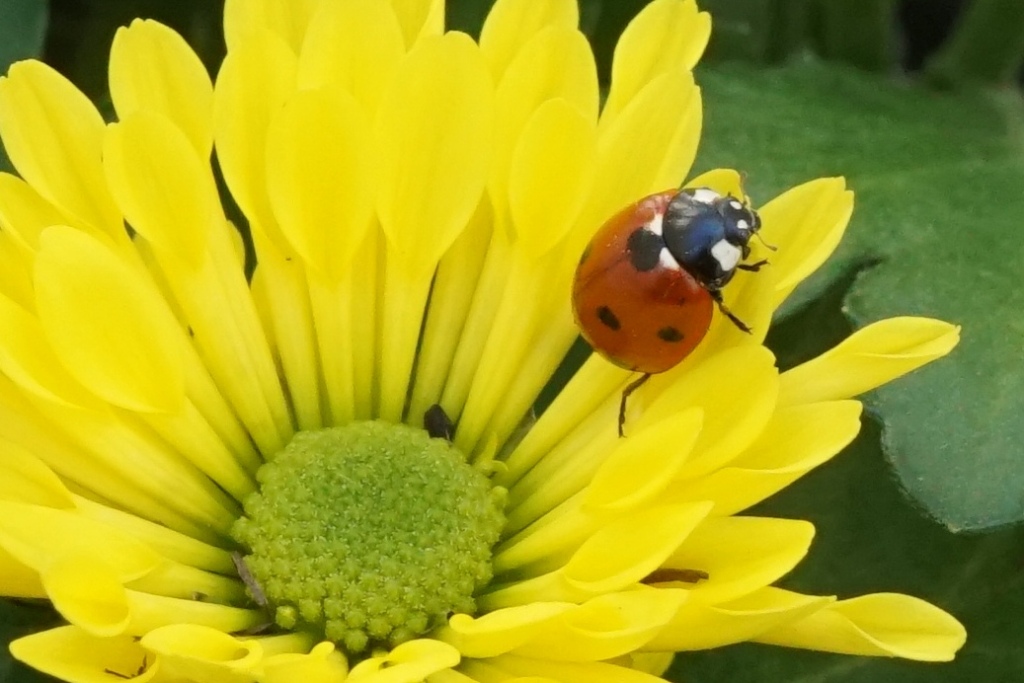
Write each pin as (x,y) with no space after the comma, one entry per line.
(727,255)
(667,260)
(742,224)
(705,195)
(736,205)
(654,225)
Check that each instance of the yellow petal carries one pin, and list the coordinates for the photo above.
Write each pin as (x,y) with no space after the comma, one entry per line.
(87,593)
(257,77)
(24,212)
(39,536)
(869,358)
(731,421)
(433,168)
(632,547)
(149,612)
(557,63)
(664,36)
(419,18)
(152,67)
(164,187)
(806,223)
(288,19)
(591,672)
(71,654)
(740,554)
(642,466)
(698,626)
(410,662)
(171,544)
(502,630)
(798,439)
(108,325)
(24,478)
(511,24)
(27,358)
(881,624)
(724,181)
(18,580)
(551,173)
(654,663)
(199,653)
(54,137)
(354,45)
(323,664)
(647,148)
(320,178)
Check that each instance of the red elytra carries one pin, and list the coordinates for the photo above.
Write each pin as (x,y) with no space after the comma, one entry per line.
(646,321)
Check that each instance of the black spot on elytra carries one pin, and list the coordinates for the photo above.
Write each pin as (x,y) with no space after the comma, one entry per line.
(670,334)
(644,249)
(607,318)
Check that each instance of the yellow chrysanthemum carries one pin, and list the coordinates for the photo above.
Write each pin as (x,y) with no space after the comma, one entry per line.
(417,204)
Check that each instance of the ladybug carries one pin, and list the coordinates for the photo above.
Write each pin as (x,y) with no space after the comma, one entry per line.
(648,282)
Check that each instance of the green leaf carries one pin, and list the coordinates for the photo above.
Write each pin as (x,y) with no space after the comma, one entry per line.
(22,30)
(938,179)
(20,618)
(869,539)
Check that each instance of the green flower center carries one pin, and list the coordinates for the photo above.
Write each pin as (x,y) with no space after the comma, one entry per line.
(369,534)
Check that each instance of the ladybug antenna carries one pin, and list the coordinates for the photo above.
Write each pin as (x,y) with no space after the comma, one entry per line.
(761,240)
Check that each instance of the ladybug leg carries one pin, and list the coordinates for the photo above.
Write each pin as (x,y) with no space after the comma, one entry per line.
(752,267)
(717,296)
(630,388)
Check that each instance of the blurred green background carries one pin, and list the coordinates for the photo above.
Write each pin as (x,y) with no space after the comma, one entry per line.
(918,104)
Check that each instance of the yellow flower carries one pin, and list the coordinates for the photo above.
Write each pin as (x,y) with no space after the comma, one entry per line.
(417,204)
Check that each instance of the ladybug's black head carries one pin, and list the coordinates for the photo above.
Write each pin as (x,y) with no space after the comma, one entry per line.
(708,234)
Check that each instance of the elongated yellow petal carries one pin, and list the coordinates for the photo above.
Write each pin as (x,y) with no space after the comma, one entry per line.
(320,178)
(354,45)
(591,672)
(25,479)
(24,212)
(433,168)
(171,544)
(322,664)
(500,631)
(17,579)
(557,63)
(28,533)
(288,19)
(741,554)
(108,325)
(511,24)
(869,358)
(798,439)
(664,36)
(410,662)
(72,654)
(255,80)
(881,624)
(552,169)
(698,626)
(163,186)
(150,612)
(191,652)
(642,466)
(87,593)
(433,171)
(806,223)
(731,421)
(54,137)
(153,68)
(632,547)
(654,663)
(647,148)
(419,19)
(27,358)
